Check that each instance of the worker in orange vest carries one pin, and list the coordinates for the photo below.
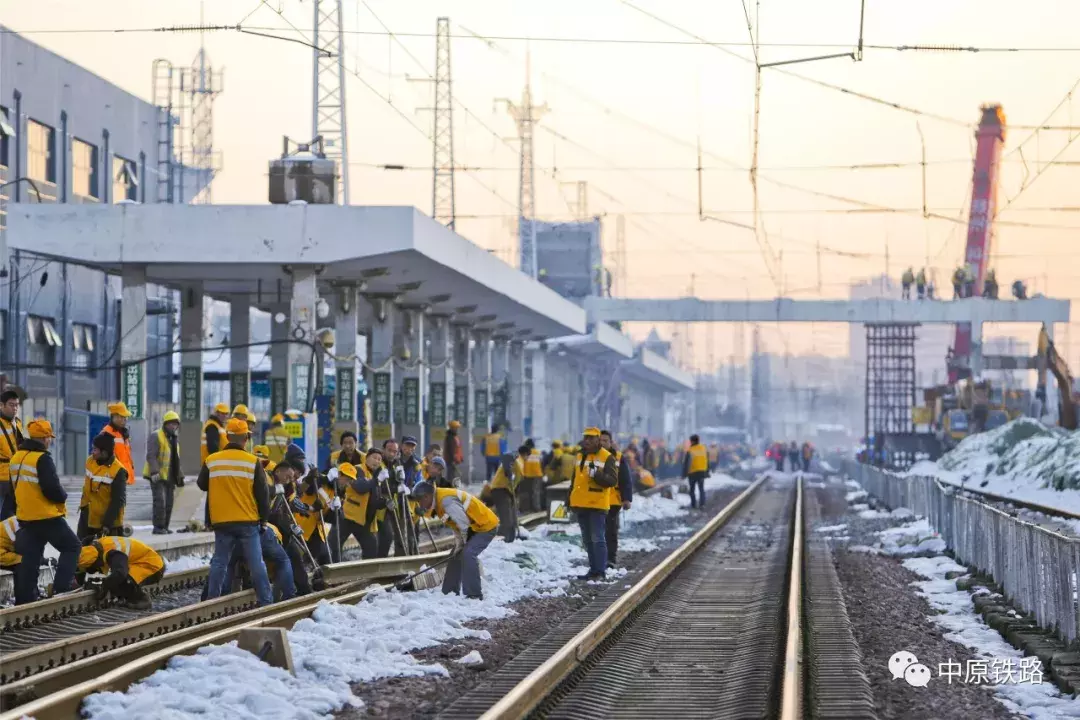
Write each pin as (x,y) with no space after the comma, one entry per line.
(117,427)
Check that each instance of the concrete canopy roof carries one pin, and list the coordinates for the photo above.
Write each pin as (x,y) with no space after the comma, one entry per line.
(653,368)
(603,340)
(249,250)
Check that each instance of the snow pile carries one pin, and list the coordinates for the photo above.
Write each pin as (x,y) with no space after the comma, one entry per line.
(756,464)
(720,481)
(343,644)
(1022,459)
(473,658)
(186,562)
(913,538)
(955,613)
(633,545)
(654,507)
(832,528)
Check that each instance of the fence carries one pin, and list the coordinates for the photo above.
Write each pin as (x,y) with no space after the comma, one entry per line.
(1035,567)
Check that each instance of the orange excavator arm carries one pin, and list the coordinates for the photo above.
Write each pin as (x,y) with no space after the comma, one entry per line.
(1049,359)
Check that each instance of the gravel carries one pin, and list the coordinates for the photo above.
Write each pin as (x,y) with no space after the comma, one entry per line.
(428,695)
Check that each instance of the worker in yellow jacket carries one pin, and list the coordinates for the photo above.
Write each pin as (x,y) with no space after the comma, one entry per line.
(9,559)
(131,566)
(162,469)
(104,497)
(466,514)
(695,470)
(213,434)
(531,492)
(276,438)
(594,473)
(503,491)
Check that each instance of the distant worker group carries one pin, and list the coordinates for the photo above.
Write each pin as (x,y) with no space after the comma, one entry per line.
(963,282)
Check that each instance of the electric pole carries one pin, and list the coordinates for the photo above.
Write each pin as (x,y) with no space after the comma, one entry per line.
(328,101)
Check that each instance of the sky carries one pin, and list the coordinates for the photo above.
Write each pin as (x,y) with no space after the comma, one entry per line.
(630,87)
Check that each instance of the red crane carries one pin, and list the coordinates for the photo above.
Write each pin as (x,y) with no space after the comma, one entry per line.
(989,138)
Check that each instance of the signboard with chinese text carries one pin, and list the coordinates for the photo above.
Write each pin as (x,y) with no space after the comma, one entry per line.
(191,394)
(410,391)
(133,389)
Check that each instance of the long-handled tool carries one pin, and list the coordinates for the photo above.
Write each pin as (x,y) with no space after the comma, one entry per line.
(317,580)
(409,578)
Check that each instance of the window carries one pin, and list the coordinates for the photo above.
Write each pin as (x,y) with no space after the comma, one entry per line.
(84,168)
(7,131)
(125,179)
(42,341)
(40,152)
(84,339)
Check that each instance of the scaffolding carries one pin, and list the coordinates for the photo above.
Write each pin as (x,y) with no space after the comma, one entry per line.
(890,392)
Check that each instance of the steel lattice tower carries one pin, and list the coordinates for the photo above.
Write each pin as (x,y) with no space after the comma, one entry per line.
(442,193)
(526,115)
(328,106)
(205,86)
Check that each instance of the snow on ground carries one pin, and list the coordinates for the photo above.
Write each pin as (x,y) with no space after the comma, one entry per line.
(855,495)
(912,538)
(720,481)
(831,528)
(654,507)
(1023,459)
(473,658)
(342,644)
(955,613)
(632,545)
(186,562)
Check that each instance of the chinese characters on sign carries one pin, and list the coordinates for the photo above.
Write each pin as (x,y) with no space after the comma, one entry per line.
(481,406)
(410,390)
(438,404)
(981,671)
(397,407)
(190,394)
(277,395)
(301,376)
(133,389)
(346,394)
(380,398)
(461,404)
(238,388)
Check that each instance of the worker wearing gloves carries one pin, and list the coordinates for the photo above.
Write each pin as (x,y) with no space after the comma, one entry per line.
(696,469)
(11,436)
(317,502)
(392,485)
(237,507)
(466,514)
(162,469)
(130,565)
(213,434)
(503,491)
(118,429)
(104,492)
(594,472)
(41,507)
(619,497)
(9,559)
(362,500)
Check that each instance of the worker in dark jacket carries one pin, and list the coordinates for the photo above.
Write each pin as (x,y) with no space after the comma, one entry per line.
(41,509)
(104,493)
(619,496)
(237,507)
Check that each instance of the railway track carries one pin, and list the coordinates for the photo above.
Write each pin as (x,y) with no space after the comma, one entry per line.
(49,680)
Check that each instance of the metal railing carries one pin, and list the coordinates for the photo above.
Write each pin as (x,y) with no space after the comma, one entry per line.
(1036,568)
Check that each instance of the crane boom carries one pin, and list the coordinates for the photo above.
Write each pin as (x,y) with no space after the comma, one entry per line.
(989,138)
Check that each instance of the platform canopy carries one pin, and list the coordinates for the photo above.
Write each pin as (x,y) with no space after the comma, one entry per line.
(654,368)
(248,251)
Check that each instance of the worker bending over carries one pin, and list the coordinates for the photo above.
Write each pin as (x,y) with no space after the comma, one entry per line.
(464,513)
(104,493)
(9,559)
(503,491)
(362,500)
(41,508)
(130,565)
(237,508)
(696,469)
(595,472)
(619,498)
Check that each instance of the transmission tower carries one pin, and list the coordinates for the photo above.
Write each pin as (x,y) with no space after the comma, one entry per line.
(205,85)
(328,106)
(442,193)
(526,115)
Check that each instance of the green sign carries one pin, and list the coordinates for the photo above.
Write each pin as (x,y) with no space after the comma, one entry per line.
(239,388)
(410,391)
(133,389)
(461,404)
(498,407)
(278,395)
(191,394)
(397,407)
(438,404)
(380,398)
(346,394)
(301,375)
(481,405)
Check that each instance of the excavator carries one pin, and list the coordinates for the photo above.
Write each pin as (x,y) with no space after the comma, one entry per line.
(1049,359)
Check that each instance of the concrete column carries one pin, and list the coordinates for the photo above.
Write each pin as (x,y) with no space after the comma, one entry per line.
(413,383)
(346,328)
(279,358)
(239,357)
(300,382)
(500,383)
(133,327)
(542,422)
(188,500)
(481,398)
(464,388)
(515,412)
(440,377)
(381,377)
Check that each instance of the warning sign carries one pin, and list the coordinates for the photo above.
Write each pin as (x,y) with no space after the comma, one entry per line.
(558,512)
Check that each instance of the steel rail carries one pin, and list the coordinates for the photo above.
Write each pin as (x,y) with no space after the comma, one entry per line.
(791,698)
(127,643)
(531,691)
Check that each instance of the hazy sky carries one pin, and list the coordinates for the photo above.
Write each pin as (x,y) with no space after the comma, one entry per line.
(625,116)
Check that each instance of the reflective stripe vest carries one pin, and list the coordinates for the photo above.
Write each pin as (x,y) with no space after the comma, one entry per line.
(356,504)
(534,467)
(231,497)
(143,561)
(276,439)
(567,461)
(614,496)
(164,456)
(481,517)
(97,491)
(208,451)
(504,483)
(313,523)
(30,503)
(10,431)
(122,451)
(554,468)
(492,441)
(8,556)
(699,458)
(586,493)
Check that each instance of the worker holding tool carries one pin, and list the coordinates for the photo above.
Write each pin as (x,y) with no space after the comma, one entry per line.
(104,493)
(466,514)
(503,490)
(362,500)
(283,504)
(392,530)
(131,566)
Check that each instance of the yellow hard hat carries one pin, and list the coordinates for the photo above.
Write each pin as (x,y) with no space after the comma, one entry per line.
(261,451)
(170,416)
(236,426)
(120,409)
(241,410)
(348,470)
(221,409)
(279,418)
(251,418)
